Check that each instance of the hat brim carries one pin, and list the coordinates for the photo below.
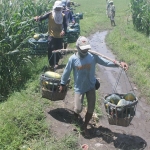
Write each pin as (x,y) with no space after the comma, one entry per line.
(85,47)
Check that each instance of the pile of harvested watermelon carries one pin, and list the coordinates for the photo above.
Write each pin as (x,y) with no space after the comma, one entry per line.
(120,108)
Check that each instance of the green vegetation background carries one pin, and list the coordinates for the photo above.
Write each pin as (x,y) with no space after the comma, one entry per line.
(22,118)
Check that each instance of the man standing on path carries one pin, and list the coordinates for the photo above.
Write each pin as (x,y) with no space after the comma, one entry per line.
(56,29)
(112,13)
(107,8)
(83,65)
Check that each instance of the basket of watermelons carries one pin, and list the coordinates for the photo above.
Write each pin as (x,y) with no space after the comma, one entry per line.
(38,44)
(72,34)
(120,108)
(78,17)
(49,84)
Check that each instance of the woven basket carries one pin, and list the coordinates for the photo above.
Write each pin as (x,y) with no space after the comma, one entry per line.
(53,95)
(118,115)
(38,47)
(51,91)
(119,121)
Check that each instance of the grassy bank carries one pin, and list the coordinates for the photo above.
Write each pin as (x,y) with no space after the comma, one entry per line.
(23,124)
(132,47)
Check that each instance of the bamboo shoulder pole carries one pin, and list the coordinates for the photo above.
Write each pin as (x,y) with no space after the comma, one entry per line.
(91,51)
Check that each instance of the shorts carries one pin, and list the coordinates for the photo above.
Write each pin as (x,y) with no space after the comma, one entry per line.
(78,101)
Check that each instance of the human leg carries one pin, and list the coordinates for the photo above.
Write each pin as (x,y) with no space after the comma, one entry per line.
(78,102)
(78,105)
(91,98)
(114,23)
(112,20)
(65,45)
(88,117)
(50,49)
(58,45)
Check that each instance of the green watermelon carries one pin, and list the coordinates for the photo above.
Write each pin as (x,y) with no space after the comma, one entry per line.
(113,98)
(123,102)
(129,97)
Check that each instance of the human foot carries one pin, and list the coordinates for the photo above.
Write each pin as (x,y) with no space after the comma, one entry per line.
(85,132)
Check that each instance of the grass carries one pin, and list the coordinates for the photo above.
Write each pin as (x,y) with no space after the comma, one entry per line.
(23,123)
(132,47)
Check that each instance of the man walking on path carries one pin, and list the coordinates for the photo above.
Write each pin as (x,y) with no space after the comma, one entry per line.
(83,65)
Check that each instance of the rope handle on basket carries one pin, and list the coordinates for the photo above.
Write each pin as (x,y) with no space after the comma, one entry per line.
(117,81)
(130,83)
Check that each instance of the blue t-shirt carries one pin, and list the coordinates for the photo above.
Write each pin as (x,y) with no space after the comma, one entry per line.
(83,71)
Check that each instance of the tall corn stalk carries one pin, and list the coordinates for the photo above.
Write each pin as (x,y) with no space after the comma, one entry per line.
(141,15)
(16,26)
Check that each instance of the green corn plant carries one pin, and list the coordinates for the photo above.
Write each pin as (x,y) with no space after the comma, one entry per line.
(17,26)
(141,15)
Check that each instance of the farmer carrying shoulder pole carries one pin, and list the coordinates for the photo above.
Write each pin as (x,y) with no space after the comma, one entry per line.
(83,65)
(56,29)
(112,13)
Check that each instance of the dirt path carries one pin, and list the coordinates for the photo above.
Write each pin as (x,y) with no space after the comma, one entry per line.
(104,136)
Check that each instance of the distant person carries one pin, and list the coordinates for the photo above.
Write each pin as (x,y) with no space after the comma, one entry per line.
(69,18)
(83,64)
(57,27)
(68,13)
(112,13)
(107,8)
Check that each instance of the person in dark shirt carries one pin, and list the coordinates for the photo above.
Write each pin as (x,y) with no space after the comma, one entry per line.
(57,27)
(69,18)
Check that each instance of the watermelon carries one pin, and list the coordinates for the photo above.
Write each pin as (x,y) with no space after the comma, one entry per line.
(113,98)
(51,74)
(36,36)
(123,103)
(129,97)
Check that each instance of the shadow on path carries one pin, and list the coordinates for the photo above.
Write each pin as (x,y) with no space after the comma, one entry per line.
(62,114)
(121,141)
